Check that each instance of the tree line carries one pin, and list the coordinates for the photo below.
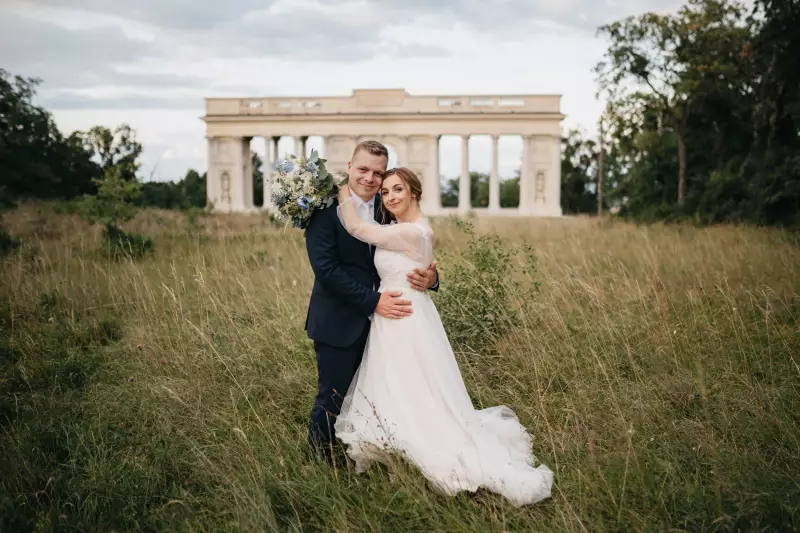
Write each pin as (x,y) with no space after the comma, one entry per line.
(701,121)
(37,161)
(703,113)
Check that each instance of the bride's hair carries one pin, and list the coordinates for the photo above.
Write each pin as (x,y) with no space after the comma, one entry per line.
(410,180)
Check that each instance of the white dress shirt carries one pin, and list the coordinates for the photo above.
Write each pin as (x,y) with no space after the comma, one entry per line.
(366,210)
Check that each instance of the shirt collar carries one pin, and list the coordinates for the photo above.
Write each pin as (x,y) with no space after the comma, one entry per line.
(360,202)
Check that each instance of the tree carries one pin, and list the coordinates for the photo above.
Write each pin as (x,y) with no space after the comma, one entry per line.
(118,148)
(578,173)
(258,179)
(185,194)
(665,59)
(772,166)
(509,191)
(193,187)
(161,194)
(449,193)
(76,166)
(479,182)
(114,201)
(35,159)
(479,189)
(739,78)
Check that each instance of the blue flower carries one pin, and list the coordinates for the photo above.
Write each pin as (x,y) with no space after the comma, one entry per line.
(304,202)
(280,199)
(288,166)
(312,167)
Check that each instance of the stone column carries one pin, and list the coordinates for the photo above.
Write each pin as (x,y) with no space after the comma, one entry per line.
(303,142)
(269,160)
(494,179)
(555,176)
(545,171)
(212,174)
(432,195)
(402,152)
(228,160)
(275,155)
(298,146)
(247,181)
(464,192)
(221,175)
(525,177)
(236,174)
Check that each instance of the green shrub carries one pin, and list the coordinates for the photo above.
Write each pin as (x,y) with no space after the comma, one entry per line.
(486,285)
(114,201)
(113,204)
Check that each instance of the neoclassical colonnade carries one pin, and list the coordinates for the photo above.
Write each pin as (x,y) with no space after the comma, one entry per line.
(412,125)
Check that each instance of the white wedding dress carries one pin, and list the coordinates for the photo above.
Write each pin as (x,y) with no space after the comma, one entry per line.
(408,396)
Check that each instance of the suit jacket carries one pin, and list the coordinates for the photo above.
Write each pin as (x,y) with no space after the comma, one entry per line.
(345,280)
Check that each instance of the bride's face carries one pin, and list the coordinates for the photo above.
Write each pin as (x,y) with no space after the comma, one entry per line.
(395,195)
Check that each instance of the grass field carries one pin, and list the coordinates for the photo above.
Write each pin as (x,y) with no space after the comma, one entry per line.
(658,368)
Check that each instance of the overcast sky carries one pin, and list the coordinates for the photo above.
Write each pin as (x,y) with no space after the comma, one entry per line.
(150,63)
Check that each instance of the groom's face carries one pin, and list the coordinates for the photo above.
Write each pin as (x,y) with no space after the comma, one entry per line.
(365,172)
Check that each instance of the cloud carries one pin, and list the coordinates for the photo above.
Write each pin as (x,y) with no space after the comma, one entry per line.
(65,57)
(152,62)
(76,44)
(420,50)
(190,15)
(80,44)
(132,101)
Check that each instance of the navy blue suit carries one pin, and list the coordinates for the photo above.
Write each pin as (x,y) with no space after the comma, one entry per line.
(342,299)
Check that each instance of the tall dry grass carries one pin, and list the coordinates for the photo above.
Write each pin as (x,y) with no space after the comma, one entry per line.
(656,367)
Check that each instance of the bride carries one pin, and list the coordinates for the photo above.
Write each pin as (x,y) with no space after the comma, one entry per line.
(408,396)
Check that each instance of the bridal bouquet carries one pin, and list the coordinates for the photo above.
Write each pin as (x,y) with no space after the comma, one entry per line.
(300,186)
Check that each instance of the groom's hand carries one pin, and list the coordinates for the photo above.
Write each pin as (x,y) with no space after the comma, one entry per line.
(391,306)
(422,279)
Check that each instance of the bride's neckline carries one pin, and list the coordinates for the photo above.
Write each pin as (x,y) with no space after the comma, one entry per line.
(415,221)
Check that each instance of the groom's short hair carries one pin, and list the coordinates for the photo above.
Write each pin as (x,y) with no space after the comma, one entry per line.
(372,147)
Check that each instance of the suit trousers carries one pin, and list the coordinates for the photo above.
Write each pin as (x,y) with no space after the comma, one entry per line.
(336,368)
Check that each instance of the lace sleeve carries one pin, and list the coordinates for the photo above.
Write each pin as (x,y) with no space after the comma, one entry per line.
(409,238)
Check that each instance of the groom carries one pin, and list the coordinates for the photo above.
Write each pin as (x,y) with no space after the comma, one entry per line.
(345,293)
